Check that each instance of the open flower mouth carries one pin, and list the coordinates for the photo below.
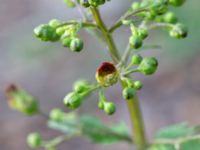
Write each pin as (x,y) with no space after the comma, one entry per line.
(107,74)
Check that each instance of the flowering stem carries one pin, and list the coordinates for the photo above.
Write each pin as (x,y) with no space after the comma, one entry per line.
(133,104)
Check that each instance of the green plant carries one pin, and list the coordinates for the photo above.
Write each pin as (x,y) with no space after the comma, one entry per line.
(153,14)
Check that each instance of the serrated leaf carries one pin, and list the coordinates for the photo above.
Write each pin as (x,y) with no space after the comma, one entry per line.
(100,133)
(175,131)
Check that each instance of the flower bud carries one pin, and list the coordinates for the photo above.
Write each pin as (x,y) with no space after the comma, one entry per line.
(85,3)
(138,85)
(176,2)
(135,42)
(60,31)
(101,105)
(21,100)
(109,108)
(81,86)
(46,33)
(70,3)
(76,45)
(135,5)
(96,3)
(159,6)
(143,33)
(128,93)
(136,59)
(179,31)
(148,65)
(66,42)
(72,100)
(54,23)
(34,140)
(107,74)
(56,114)
(170,17)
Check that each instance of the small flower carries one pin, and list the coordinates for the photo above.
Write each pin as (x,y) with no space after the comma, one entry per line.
(107,74)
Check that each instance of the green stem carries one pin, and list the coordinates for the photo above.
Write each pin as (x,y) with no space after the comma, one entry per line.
(108,37)
(133,104)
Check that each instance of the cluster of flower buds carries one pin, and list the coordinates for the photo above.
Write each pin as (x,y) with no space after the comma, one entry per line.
(158,11)
(132,86)
(55,31)
(81,89)
(92,3)
(21,100)
(108,107)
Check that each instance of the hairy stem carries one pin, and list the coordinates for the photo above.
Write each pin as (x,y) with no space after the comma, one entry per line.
(133,104)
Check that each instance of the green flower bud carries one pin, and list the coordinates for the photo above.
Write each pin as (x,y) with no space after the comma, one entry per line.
(54,23)
(70,3)
(34,140)
(66,42)
(135,5)
(176,2)
(85,3)
(81,86)
(46,33)
(60,31)
(56,114)
(136,59)
(179,31)
(101,105)
(135,42)
(96,3)
(109,108)
(148,65)
(159,6)
(138,85)
(76,45)
(128,93)
(143,33)
(170,17)
(22,101)
(72,100)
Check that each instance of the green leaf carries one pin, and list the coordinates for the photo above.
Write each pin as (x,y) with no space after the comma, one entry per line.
(162,147)
(191,145)
(175,131)
(95,130)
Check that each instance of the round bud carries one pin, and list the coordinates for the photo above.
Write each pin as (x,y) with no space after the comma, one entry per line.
(60,31)
(135,42)
(101,105)
(136,59)
(54,23)
(34,140)
(135,5)
(46,33)
(159,6)
(70,3)
(148,65)
(143,33)
(128,93)
(177,2)
(109,108)
(76,45)
(66,42)
(81,86)
(84,3)
(170,17)
(179,31)
(72,100)
(138,85)
(56,114)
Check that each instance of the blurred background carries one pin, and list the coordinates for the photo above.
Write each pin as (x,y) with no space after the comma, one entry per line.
(48,71)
